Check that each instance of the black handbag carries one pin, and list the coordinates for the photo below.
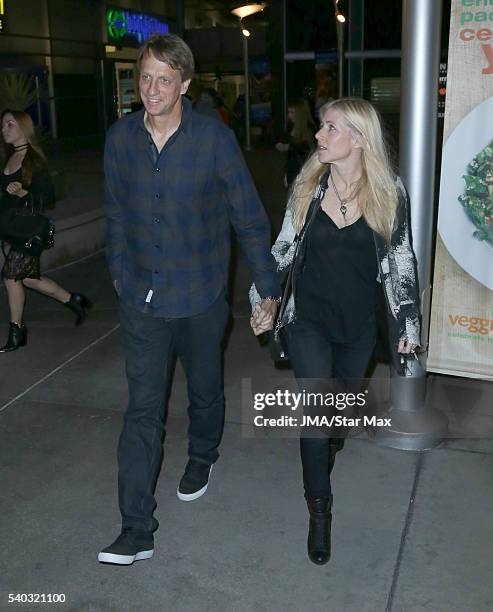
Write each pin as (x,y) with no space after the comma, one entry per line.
(277,343)
(27,230)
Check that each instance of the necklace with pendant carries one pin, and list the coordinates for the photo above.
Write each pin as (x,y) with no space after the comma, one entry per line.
(343,202)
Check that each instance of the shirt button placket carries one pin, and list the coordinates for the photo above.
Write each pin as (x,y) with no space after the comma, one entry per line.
(157,221)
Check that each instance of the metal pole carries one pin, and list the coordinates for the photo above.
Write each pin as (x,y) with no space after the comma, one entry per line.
(38,99)
(180,16)
(51,86)
(340,50)
(103,96)
(416,426)
(247,94)
(418,127)
(356,44)
(284,68)
(340,59)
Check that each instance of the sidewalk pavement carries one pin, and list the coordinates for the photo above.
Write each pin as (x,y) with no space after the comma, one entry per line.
(412,532)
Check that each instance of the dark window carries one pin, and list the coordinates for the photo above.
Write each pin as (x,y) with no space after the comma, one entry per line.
(76,104)
(383,24)
(310,25)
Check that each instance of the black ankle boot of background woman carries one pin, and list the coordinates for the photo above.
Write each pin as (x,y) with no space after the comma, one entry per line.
(79,304)
(17,338)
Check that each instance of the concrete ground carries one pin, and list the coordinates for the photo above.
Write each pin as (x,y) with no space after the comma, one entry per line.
(412,531)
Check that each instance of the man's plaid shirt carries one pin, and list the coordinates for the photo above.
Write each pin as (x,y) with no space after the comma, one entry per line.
(169,214)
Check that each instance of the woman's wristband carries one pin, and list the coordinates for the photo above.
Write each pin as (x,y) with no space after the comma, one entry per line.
(273,298)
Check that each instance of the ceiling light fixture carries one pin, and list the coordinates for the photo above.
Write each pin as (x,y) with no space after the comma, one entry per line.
(249,9)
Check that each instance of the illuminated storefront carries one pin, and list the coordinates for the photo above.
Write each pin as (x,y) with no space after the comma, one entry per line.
(80,56)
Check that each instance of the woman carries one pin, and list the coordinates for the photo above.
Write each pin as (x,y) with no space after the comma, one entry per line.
(25,178)
(301,128)
(349,213)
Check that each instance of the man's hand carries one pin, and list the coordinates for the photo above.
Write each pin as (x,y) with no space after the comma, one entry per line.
(263,316)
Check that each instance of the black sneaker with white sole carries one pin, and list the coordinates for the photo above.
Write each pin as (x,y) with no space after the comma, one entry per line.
(131,545)
(194,481)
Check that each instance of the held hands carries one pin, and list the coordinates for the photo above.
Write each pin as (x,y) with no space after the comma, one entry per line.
(15,188)
(406,347)
(263,316)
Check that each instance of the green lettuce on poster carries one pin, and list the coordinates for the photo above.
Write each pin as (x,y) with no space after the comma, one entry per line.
(478,195)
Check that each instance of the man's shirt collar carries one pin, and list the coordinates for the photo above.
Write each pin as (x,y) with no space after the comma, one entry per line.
(185,117)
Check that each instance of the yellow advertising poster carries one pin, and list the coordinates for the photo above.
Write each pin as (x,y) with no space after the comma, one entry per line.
(461,325)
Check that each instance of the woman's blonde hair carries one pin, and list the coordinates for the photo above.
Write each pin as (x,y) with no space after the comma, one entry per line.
(377,195)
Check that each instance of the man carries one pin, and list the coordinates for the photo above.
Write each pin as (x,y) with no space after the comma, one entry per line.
(175,180)
(207,103)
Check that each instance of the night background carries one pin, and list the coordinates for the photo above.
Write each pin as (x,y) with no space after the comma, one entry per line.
(411,530)
(89,80)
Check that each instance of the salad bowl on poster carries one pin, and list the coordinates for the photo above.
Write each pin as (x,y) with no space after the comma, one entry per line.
(465,216)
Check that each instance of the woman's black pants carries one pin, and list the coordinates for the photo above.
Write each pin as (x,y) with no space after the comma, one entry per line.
(314,355)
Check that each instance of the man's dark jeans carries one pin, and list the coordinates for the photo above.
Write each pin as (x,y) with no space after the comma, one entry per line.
(314,355)
(150,345)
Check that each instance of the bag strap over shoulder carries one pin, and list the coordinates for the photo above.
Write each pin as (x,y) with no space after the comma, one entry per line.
(314,206)
(318,196)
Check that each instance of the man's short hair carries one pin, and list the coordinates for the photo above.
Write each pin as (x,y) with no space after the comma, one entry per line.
(171,49)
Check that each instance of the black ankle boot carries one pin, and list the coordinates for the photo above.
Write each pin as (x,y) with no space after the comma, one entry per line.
(78,303)
(319,529)
(17,338)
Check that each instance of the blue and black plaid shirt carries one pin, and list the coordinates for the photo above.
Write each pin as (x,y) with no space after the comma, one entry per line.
(169,214)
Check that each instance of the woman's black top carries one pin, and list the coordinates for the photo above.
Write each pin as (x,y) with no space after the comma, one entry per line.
(40,191)
(337,285)
(6,179)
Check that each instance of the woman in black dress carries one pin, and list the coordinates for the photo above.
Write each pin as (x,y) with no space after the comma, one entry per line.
(25,176)
(348,216)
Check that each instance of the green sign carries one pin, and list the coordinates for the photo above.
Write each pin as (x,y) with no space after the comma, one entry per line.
(131,27)
(117,24)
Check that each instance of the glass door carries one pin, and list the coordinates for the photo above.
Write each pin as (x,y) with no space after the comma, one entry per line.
(127,91)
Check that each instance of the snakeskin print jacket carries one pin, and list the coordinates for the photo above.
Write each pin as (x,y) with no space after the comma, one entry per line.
(396,266)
